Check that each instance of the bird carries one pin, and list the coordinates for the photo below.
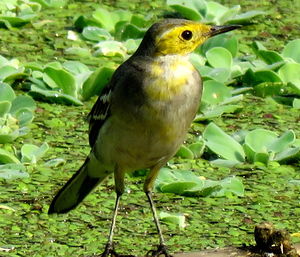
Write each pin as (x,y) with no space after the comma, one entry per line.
(142,116)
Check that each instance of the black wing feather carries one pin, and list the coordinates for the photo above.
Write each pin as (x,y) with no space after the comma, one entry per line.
(99,113)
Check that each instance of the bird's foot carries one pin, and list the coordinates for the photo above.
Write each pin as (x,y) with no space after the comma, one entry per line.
(160,251)
(110,251)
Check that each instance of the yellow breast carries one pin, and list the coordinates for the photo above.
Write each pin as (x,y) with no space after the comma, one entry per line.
(168,76)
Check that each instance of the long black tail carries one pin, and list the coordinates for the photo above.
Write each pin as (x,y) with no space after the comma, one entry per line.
(75,190)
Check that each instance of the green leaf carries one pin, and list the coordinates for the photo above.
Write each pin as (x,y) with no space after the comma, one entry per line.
(130,31)
(223,40)
(60,79)
(13,171)
(96,82)
(290,73)
(283,142)
(4,108)
(218,74)
(32,153)
(96,34)
(185,153)
(269,57)
(214,92)
(6,71)
(219,57)
(76,67)
(53,96)
(288,154)
(215,11)
(24,116)
(110,48)
(244,18)
(230,185)
(6,92)
(7,157)
(197,148)
(260,139)
(292,50)
(108,19)
(22,102)
(176,219)
(296,103)
(189,9)
(223,144)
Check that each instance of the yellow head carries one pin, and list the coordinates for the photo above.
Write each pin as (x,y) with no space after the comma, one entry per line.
(177,36)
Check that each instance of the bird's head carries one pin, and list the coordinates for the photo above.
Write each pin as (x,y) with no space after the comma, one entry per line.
(178,37)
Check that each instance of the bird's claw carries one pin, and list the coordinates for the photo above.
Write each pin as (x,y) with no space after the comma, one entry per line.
(161,250)
(110,251)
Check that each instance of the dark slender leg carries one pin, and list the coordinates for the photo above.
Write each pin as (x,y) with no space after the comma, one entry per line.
(109,246)
(162,249)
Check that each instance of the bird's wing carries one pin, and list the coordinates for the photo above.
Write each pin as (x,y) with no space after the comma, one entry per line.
(99,113)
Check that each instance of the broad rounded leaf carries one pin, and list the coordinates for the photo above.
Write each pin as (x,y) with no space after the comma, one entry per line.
(292,50)
(4,108)
(189,9)
(219,57)
(60,79)
(110,48)
(215,92)
(7,157)
(283,142)
(96,82)
(269,57)
(223,40)
(215,11)
(185,153)
(13,171)
(53,96)
(245,17)
(259,140)
(290,72)
(96,34)
(6,92)
(223,144)
(21,102)
(176,219)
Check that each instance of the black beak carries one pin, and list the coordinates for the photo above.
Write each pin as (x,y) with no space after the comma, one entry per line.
(215,30)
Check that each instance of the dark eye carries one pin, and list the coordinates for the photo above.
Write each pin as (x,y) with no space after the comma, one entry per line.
(187,34)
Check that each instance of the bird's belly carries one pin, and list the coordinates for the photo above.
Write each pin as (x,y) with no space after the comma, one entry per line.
(143,142)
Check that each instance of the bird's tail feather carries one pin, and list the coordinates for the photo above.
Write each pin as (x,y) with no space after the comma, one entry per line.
(75,190)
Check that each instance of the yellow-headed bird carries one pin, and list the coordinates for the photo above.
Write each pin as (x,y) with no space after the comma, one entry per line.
(142,116)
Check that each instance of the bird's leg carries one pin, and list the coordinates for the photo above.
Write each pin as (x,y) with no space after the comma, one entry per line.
(148,185)
(162,249)
(109,248)
(119,187)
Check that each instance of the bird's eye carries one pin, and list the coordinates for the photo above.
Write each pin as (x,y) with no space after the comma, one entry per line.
(187,35)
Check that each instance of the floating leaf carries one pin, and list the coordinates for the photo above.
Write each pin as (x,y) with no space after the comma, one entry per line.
(215,92)
(96,82)
(32,153)
(13,171)
(176,219)
(219,57)
(292,50)
(189,9)
(96,34)
(290,73)
(60,79)
(6,92)
(185,153)
(7,157)
(223,144)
